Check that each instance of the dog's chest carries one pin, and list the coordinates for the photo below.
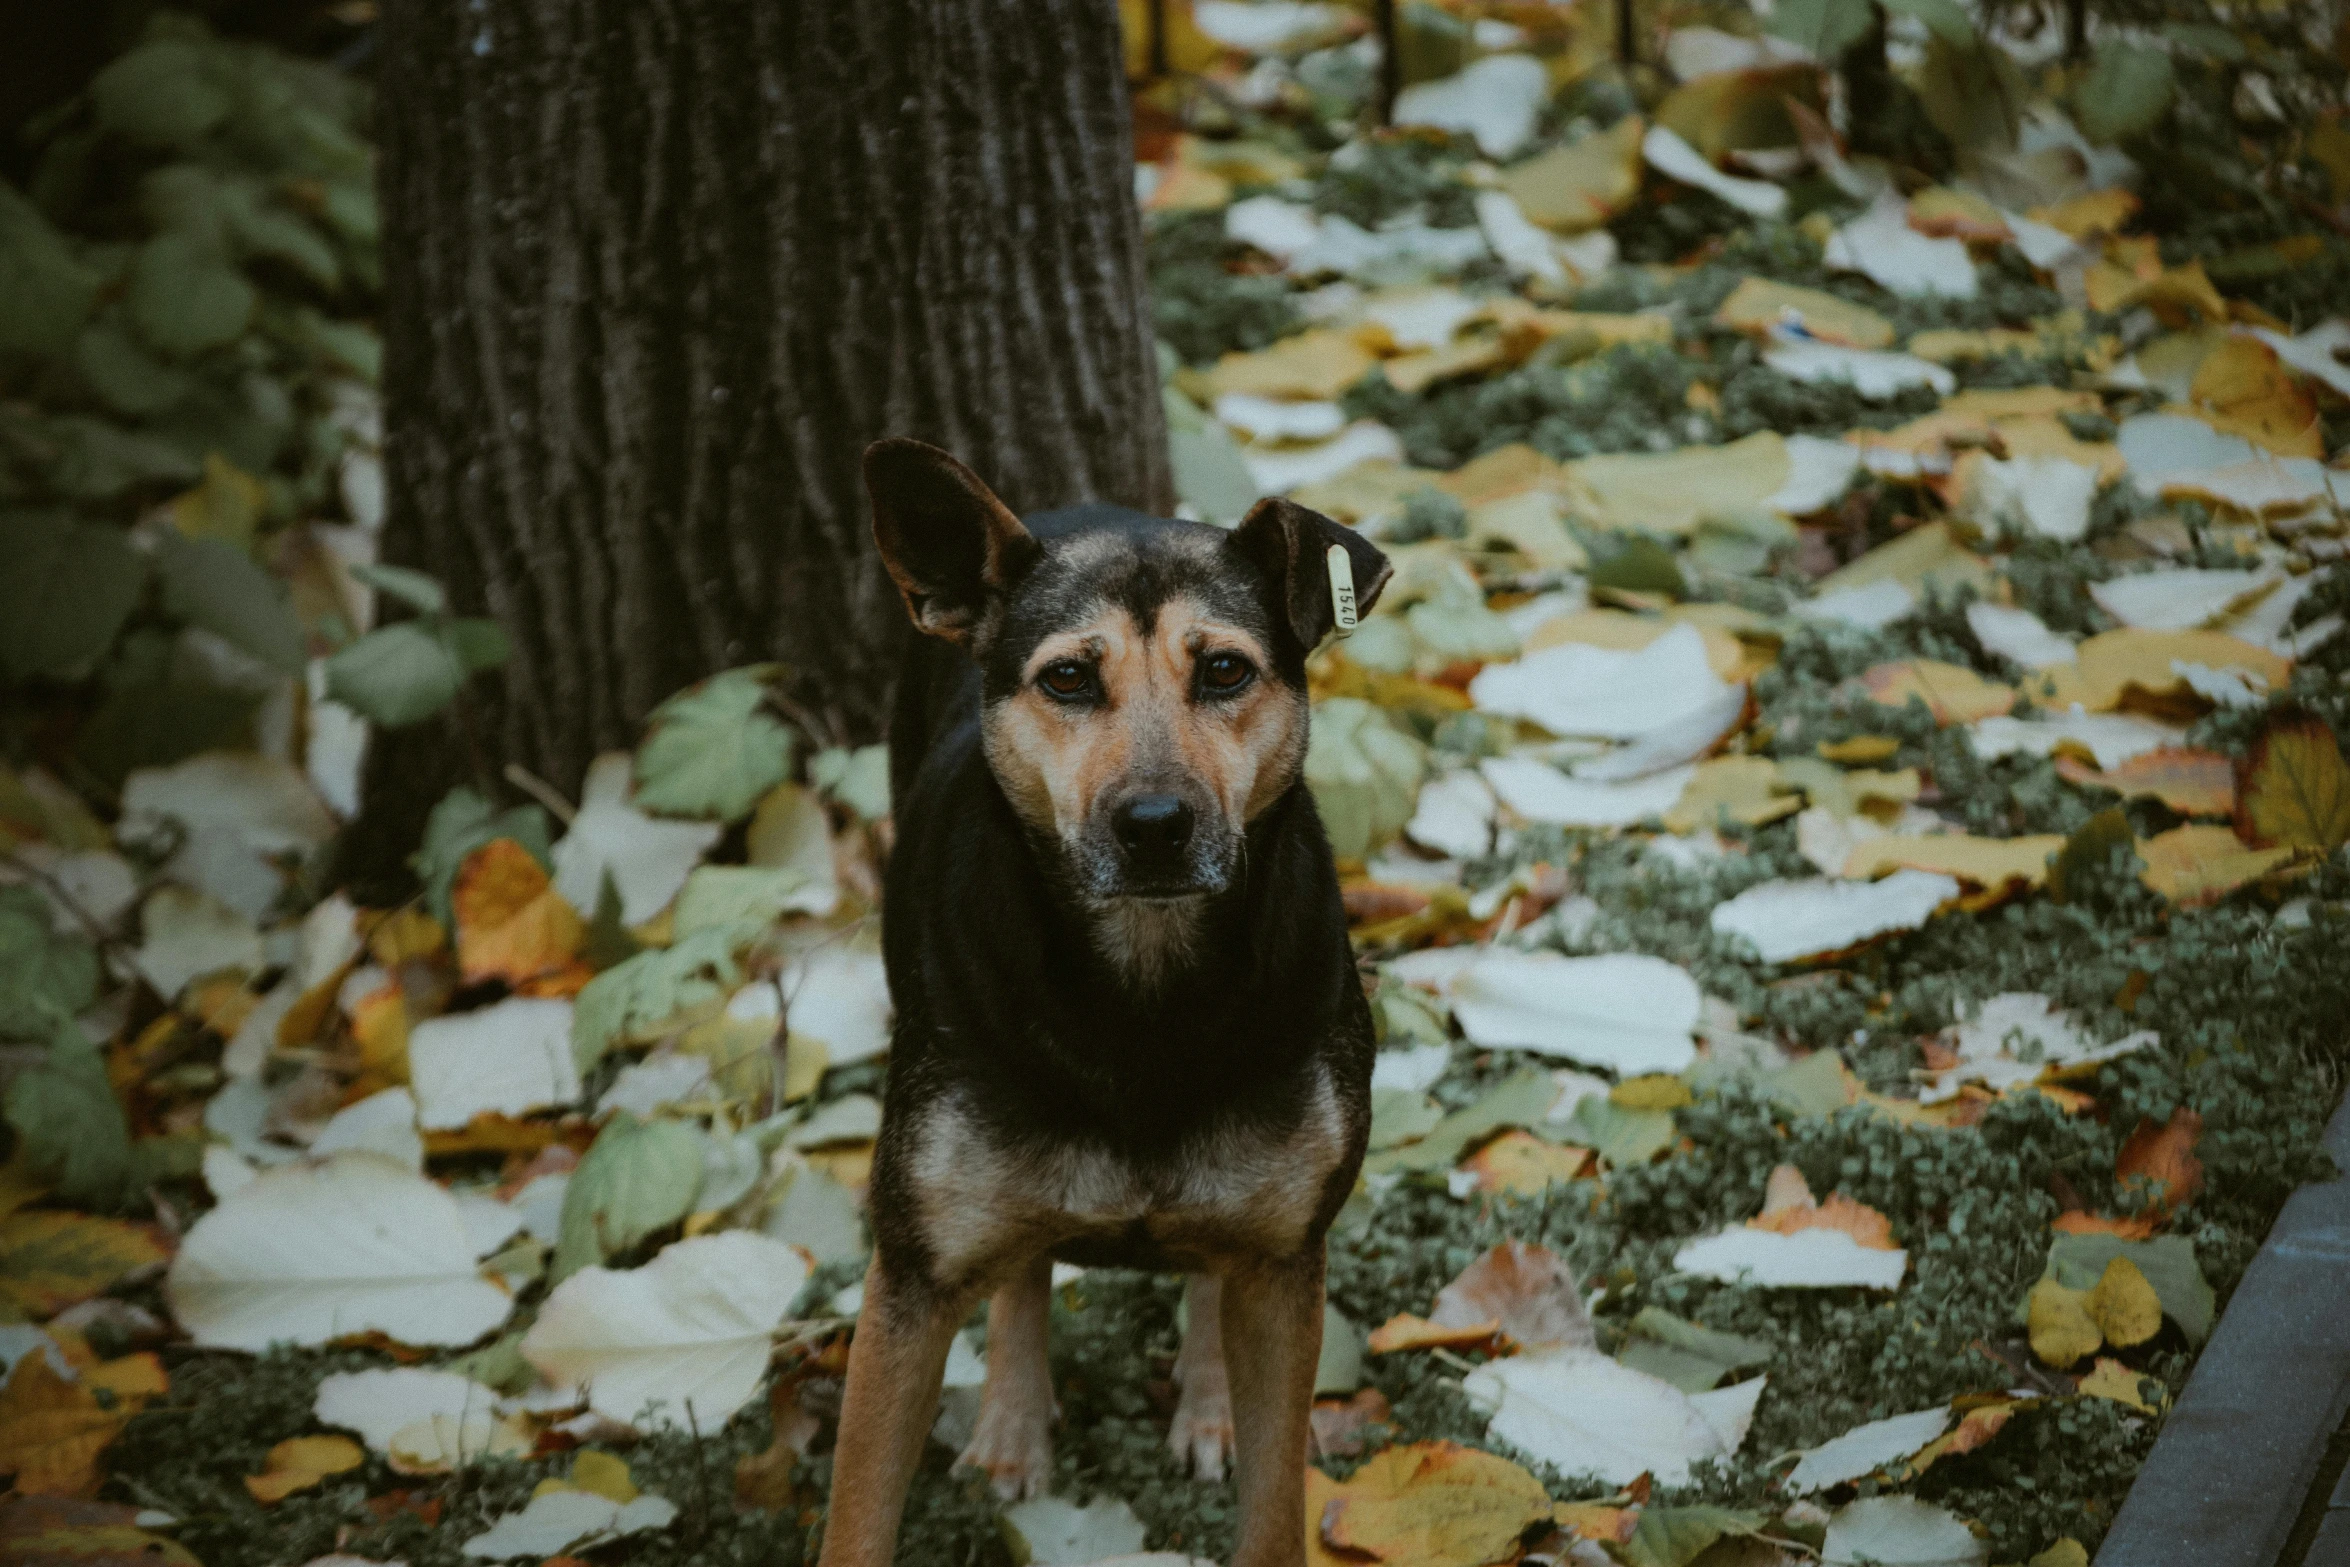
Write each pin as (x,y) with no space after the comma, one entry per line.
(986,1200)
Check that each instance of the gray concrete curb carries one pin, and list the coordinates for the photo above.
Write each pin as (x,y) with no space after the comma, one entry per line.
(2227,1476)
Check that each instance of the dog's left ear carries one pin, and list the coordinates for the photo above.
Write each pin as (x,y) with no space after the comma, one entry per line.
(1291,544)
(945,539)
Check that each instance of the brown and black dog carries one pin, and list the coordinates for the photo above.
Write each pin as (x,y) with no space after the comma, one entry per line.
(1129,1030)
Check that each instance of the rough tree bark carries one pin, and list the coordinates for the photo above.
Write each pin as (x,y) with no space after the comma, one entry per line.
(657,270)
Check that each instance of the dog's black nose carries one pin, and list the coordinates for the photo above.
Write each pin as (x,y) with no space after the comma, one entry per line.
(1153,828)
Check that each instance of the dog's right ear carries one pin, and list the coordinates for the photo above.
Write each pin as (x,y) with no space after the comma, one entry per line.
(945,539)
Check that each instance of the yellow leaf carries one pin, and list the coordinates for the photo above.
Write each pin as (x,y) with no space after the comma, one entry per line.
(1745,789)
(1318,364)
(1524,1165)
(51,1260)
(1404,1331)
(1930,556)
(405,935)
(302,1462)
(1757,305)
(1581,184)
(1368,489)
(2110,1379)
(1949,346)
(1953,693)
(1435,1504)
(511,922)
(52,1430)
(226,504)
(1859,749)
(2242,388)
(1504,471)
(1672,492)
(1188,50)
(1721,112)
(2133,668)
(2296,787)
(1858,1220)
(2124,1306)
(1414,373)
(598,1473)
(2098,212)
(379,1022)
(1859,792)
(1606,329)
(2061,1327)
(2202,863)
(2192,783)
(1987,862)
(1656,1091)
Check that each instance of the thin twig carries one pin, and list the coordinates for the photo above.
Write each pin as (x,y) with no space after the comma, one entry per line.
(542,791)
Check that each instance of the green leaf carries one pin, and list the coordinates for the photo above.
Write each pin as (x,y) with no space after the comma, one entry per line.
(858,779)
(479,644)
(66,591)
(165,93)
(156,724)
(1675,1536)
(1973,93)
(1624,1138)
(2220,43)
(2168,1261)
(260,227)
(69,1128)
(1691,1357)
(638,1177)
(1401,1115)
(1521,1099)
(1210,474)
(118,369)
(396,675)
(658,989)
(419,592)
(1340,1369)
(735,895)
(186,298)
(2086,853)
(213,584)
(1946,19)
(1364,773)
(461,823)
(45,978)
(97,461)
(1634,563)
(2128,90)
(713,748)
(45,290)
(1825,27)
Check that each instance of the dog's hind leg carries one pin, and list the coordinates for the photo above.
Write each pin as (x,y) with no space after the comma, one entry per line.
(1272,1318)
(896,1363)
(1013,1442)
(1201,1437)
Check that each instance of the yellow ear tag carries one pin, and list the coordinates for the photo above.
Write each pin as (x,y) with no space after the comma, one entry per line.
(1342,588)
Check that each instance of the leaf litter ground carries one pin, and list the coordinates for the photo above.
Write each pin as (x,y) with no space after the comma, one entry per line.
(1842,809)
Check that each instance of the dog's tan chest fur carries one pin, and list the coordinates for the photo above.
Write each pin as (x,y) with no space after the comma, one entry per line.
(1231,1193)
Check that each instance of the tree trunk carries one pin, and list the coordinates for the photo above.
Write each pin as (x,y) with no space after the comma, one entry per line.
(655,273)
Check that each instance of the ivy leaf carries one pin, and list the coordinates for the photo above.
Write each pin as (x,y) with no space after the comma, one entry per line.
(213,584)
(713,748)
(1825,27)
(132,380)
(657,989)
(70,1129)
(67,590)
(2126,93)
(45,979)
(638,1177)
(186,298)
(1365,774)
(45,290)
(415,589)
(2295,788)
(396,675)
(164,93)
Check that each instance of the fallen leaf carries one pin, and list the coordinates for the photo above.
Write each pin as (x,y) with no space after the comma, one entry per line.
(1342,1429)
(1893,250)
(2161,1161)
(1403,1331)
(300,1463)
(1524,1165)
(559,1521)
(2190,782)
(1866,1449)
(1899,1531)
(1665,152)
(1433,1504)
(1840,1213)
(2019,1037)
(511,922)
(2075,1222)
(1671,493)
(50,1260)
(507,1059)
(1760,306)
(2202,864)
(1785,921)
(312,1252)
(685,1335)
(2243,388)
(1692,1357)
(1577,689)
(1993,863)
(1580,1412)
(2294,788)
(1745,790)
(1953,693)
(50,1531)
(1807,1258)
(2078,1262)
(1579,185)
(647,860)
(423,1421)
(1622,1010)
(54,1428)
(2123,1305)
(1527,1290)
(2110,1379)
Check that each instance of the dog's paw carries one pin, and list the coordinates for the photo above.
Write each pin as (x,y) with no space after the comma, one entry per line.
(1201,1437)
(1013,1446)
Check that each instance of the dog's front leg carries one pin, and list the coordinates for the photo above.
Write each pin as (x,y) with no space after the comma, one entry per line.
(896,1363)
(1272,1319)
(1013,1442)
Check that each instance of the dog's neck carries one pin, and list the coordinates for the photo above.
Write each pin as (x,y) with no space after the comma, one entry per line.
(1146,941)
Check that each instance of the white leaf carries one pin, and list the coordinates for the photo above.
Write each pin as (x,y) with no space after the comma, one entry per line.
(1281,229)
(378,1405)
(1805,1259)
(540,1203)
(2017,635)
(1582,1413)
(2180,598)
(1621,1010)
(2112,738)
(665,1077)
(852,1118)
(489,1223)
(99,883)
(1871,607)
(1268,26)
(1412,1069)
(320,1250)
(2016,1038)
(225,1171)
(1691,52)
(1685,739)
(1422,317)
(1674,158)
(1497,100)
(1539,792)
(1279,471)
(689,1331)
(1881,244)
(1818,469)
(1872,372)
(2023,497)
(1271,419)
(510,1059)
(383,1123)
(558,1522)
(838,993)
(186,935)
(1786,920)
(1454,816)
(1526,248)
(237,813)
(1054,1532)
(2322,352)
(1578,689)
(1899,1531)
(647,859)
(1865,1449)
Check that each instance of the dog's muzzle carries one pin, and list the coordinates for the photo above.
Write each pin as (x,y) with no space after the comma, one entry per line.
(1158,847)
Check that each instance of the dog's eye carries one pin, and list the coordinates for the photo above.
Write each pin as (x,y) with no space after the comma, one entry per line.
(1225,672)
(1067,678)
